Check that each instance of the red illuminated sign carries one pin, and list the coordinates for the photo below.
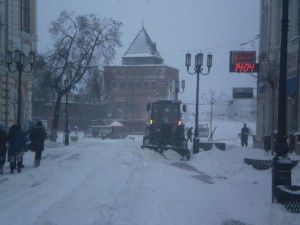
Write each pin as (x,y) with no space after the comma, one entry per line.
(245,67)
(243,62)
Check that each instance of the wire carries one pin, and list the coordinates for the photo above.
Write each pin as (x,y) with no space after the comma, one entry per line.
(257,36)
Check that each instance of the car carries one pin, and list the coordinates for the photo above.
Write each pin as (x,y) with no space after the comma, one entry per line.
(204,130)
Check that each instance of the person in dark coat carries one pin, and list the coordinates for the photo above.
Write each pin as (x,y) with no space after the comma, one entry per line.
(189,134)
(38,136)
(3,148)
(244,136)
(17,143)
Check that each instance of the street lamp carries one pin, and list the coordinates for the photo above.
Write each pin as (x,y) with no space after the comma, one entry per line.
(281,166)
(197,70)
(66,84)
(19,58)
(174,87)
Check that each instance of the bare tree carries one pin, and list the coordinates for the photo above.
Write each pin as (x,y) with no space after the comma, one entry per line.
(81,44)
(92,86)
(44,92)
(269,75)
(211,100)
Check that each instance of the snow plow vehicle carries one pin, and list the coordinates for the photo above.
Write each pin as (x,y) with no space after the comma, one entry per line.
(165,130)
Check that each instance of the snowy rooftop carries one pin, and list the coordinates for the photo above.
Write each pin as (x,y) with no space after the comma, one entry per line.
(142,45)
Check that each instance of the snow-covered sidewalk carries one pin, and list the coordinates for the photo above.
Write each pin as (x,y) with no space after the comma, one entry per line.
(95,182)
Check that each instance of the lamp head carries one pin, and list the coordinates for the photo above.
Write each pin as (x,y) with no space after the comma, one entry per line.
(209,60)
(188,60)
(199,60)
(17,57)
(8,57)
(31,58)
(183,84)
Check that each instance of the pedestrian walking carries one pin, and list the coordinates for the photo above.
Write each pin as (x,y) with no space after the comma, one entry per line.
(3,147)
(17,143)
(189,134)
(244,135)
(38,136)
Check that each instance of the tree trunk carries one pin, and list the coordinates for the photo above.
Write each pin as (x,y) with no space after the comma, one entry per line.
(273,121)
(54,130)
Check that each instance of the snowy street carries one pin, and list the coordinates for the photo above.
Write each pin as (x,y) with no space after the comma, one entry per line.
(115,182)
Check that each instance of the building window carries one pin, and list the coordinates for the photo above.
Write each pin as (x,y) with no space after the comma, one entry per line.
(115,86)
(123,85)
(138,85)
(131,86)
(25,16)
(153,85)
(146,86)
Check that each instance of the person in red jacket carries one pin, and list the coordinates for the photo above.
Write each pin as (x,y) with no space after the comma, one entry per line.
(38,136)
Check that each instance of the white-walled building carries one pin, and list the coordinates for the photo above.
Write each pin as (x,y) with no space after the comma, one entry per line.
(18,30)
(269,59)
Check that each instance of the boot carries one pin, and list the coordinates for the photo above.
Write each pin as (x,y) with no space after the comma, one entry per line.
(19,167)
(22,165)
(36,163)
(12,167)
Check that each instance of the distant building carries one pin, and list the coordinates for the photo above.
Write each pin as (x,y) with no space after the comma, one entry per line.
(17,31)
(228,108)
(141,78)
(82,112)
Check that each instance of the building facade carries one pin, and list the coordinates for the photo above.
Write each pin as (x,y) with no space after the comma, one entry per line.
(82,112)
(269,59)
(17,31)
(141,78)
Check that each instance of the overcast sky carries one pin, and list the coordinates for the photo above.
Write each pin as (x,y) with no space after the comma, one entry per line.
(176,26)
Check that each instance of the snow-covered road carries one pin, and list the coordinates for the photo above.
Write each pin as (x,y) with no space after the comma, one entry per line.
(115,182)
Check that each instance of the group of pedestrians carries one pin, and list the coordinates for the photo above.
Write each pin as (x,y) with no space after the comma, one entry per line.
(14,143)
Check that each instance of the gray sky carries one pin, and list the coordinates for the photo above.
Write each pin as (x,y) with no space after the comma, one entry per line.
(177,26)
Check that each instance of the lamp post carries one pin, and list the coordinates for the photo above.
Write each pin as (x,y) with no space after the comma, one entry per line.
(66,83)
(281,166)
(197,70)
(174,87)
(19,58)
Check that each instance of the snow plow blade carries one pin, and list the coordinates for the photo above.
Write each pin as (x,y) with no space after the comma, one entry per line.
(157,148)
(180,150)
